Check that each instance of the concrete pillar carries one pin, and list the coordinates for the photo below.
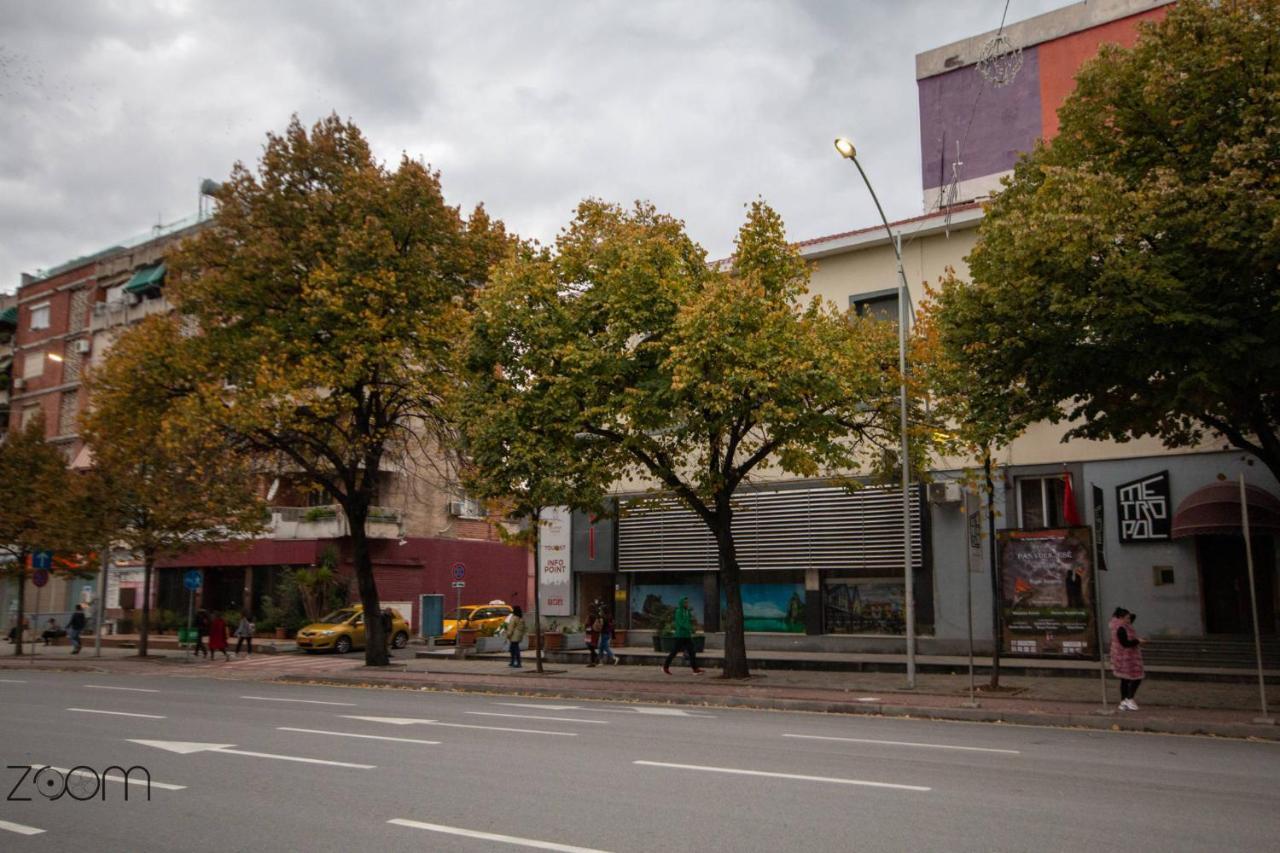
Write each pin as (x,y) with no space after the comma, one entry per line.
(812,602)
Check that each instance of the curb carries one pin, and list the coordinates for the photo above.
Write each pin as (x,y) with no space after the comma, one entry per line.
(821,706)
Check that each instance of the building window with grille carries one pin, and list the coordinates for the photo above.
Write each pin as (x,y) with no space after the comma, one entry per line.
(1040,502)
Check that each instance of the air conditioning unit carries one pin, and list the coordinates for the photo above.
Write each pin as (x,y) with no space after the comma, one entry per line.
(945,492)
(19,383)
(83,346)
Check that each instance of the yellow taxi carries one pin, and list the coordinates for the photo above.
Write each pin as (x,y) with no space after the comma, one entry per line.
(485,618)
(343,630)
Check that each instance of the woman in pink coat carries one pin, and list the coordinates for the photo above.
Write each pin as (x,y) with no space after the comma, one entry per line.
(1126,657)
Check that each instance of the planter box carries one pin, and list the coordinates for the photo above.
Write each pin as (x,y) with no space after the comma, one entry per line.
(666,644)
(492,644)
(619,637)
(553,641)
(467,636)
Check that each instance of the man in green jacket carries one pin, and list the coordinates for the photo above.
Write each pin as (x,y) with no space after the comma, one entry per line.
(683,638)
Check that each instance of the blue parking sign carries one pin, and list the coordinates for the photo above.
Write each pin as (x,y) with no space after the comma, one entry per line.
(193,579)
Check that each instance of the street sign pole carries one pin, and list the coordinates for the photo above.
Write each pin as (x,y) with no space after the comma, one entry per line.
(35,621)
(102,603)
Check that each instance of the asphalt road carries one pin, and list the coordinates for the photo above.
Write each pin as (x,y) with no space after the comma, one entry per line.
(254,766)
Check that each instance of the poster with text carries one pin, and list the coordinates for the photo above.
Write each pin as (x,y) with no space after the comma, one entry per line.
(1046,593)
(555,587)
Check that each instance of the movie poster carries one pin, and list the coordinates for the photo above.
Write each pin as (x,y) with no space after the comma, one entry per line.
(1046,586)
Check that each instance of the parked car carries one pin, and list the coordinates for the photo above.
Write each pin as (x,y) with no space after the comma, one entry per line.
(485,618)
(343,630)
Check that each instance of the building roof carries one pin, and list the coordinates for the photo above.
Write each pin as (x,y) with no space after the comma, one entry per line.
(959,216)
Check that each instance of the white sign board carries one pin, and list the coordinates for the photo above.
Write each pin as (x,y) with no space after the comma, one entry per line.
(555,586)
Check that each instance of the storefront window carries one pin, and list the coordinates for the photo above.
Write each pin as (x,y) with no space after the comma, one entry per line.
(863,606)
(653,605)
(771,607)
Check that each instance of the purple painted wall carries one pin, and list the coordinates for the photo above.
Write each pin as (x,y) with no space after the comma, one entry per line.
(1005,123)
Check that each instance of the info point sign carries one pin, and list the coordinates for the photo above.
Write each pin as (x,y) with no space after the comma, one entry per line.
(554,587)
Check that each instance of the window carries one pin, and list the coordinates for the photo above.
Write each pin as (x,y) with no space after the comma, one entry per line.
(1040,502)
(880,305)
(29,414)
(40,316)
(33,365)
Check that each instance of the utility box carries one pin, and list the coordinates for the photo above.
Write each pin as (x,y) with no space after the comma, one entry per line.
(431,620)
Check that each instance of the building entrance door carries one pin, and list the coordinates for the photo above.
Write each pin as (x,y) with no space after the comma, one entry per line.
(1224,580)
(594,589)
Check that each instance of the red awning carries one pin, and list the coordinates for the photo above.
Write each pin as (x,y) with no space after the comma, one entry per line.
(1215,510)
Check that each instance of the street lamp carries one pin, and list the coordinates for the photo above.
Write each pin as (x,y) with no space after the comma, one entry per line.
(847,151)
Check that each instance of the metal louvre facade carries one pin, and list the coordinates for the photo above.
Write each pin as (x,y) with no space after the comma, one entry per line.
(821,528)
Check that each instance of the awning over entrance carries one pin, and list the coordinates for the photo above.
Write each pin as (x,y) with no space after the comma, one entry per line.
(1215,510)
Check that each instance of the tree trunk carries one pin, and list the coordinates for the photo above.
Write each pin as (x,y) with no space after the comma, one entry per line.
(995,575)
(144,630)
(22,587)
(735,641)
(375,644)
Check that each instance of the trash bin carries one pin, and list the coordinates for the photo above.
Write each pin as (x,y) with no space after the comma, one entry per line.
(187,637)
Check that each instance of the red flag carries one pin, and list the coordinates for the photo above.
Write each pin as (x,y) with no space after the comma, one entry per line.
(1069,513)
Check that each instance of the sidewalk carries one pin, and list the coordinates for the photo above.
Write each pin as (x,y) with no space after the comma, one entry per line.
(1168,706)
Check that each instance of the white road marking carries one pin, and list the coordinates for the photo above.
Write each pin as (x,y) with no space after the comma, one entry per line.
(534,717)
(409,721)
(164,786)
(908,743)
(657,712)
(352,734)
(19,828)
(540,707)
(868,699)
(796,776)
(493,836)
(188,747)
(14,681)
(305,701)
(117,713)
(130,689)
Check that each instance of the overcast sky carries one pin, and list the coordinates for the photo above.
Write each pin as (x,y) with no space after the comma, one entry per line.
(112,112)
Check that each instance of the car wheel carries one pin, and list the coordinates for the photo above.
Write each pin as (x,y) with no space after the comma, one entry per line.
(400,640)
(343,645)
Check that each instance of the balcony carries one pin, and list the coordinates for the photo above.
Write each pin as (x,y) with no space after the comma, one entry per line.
(329,522)
(124,312)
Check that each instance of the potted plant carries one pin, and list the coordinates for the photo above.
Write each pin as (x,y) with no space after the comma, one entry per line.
(553,637)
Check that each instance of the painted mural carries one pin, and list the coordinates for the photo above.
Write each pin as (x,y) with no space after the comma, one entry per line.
(771,607)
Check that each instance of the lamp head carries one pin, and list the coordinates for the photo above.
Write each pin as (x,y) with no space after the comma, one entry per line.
(845,147)
(53,356)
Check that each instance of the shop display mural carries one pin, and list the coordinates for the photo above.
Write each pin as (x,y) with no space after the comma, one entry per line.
(864,606)
(653,605)
(1046,592)
(771,607)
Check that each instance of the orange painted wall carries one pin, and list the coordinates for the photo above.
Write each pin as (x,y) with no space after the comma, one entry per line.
(1061,58)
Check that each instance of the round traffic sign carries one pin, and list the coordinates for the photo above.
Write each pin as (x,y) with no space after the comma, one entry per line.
(40,577)
(193,579)
(459,571)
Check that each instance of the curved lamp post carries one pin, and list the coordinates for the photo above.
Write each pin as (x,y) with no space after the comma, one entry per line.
(847,151)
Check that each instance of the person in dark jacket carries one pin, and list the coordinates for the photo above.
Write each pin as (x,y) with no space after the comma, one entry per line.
(74,627)
(516,630)
(202,631)
(388,621)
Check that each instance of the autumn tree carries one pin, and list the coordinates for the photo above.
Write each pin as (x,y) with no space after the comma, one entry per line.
(1127,279)
(329,293)
(160,484)
(624,342)
(33,492)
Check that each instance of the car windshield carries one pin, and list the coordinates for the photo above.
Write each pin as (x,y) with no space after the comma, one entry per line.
(337,617)
(461,615)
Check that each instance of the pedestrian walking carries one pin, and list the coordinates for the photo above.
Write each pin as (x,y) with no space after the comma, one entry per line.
(218,636)
(202,631)
(244,634)
(1126,657)
(516,630)
(606,638)
(683,638)
(595,624)
(74,627)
